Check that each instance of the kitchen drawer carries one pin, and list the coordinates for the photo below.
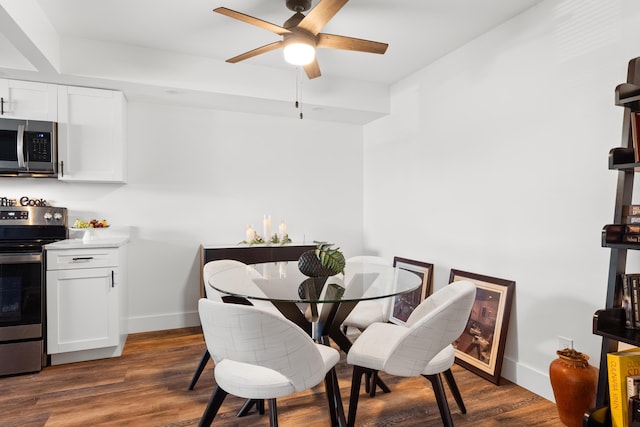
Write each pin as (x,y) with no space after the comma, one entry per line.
(84,258)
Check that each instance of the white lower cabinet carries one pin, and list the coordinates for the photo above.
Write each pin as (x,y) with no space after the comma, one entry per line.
(86,304)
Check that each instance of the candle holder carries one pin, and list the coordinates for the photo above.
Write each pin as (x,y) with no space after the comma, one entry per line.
(253,238)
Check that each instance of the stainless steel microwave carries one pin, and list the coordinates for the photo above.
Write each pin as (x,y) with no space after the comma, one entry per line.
(28,148)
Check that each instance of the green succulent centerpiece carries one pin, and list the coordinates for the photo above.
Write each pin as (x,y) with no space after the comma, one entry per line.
(323,261)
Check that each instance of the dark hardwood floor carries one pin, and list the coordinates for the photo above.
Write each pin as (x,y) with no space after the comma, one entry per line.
(147,386)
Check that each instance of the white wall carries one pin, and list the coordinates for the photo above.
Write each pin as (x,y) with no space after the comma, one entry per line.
(200,176)
(494,161)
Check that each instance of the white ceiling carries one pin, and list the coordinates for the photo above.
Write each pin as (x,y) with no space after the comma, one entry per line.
(418,32)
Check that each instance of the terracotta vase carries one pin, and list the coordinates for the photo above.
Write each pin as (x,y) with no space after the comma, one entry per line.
(574,383)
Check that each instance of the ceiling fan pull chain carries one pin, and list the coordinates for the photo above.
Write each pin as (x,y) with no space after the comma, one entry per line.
(299,91)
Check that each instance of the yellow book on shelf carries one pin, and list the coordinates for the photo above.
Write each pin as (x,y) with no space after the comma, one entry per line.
(620,365)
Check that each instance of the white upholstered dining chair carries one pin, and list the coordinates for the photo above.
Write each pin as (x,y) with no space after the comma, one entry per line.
(260,355)
(210,269)
(368,311)
(420,347)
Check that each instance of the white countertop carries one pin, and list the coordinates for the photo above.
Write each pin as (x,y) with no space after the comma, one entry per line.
(112,237)
(107,242)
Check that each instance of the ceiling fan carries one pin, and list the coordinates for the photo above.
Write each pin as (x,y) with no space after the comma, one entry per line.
(301,34)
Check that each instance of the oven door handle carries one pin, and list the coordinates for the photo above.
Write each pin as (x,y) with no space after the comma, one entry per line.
(20,258)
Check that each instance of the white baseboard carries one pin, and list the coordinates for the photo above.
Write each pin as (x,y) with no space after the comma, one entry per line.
(526,377)
(162,322)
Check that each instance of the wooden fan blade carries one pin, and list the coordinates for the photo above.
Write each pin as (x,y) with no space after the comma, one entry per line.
(312,69)
(350,43)
(320,15)
(255,52)
(253,21)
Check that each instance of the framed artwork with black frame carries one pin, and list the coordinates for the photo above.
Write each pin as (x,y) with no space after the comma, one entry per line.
(403,305)
(480,348)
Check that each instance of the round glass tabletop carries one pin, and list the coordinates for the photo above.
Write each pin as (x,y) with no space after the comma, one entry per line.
(282,281)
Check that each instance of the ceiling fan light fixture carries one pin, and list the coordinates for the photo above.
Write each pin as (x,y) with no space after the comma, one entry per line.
(299,48)
(299,53)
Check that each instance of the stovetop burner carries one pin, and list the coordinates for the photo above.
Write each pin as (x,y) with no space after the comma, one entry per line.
(22,226)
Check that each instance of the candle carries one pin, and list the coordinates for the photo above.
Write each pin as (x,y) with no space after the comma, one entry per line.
(266,227)
(282,230)
(249,234)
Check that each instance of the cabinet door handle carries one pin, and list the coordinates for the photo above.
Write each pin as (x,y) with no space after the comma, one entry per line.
(113,280)
(62,168)
(1,106)
(82,258)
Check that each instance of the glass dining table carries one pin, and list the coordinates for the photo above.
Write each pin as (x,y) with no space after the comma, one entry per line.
(318,305)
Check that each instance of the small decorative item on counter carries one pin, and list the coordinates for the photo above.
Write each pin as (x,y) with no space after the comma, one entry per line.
(92,223)
(322,262)
(574,383)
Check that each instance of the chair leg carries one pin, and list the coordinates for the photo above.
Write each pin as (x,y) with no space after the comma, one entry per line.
(248,404)
(336,410)
(273,413)
(356,379)
(196,375)
(371,379)
(375,381)
(341,419)
(441,398)
(215,401)
(448,375)
(331,398)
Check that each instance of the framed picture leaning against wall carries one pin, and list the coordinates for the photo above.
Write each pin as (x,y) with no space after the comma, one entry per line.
(480,348)
(404,304)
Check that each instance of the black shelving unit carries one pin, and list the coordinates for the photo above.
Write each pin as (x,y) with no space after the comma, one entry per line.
(609,323)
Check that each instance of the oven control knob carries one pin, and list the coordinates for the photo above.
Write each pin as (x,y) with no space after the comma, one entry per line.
(48,216)
(57,216)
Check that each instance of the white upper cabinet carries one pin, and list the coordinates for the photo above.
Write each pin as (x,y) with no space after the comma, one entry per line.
(28,100)
(91,135)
